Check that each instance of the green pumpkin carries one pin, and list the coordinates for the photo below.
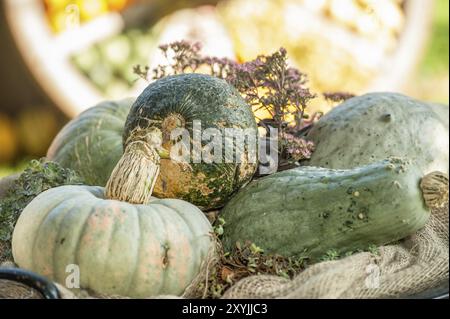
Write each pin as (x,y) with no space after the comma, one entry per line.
(120,248)
(374,126)
(176,102)
(91,143)
(308,211)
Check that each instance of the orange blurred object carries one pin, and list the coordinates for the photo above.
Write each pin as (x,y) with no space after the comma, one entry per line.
(117,5)
(60,11)
(8,139)
(36,127)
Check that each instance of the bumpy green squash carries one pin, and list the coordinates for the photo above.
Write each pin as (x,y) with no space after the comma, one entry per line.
(309,210)
(378,125)
(91,143)
(178,102)
(120,248)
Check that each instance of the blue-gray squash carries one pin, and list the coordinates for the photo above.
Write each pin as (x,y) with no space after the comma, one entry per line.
(307,211)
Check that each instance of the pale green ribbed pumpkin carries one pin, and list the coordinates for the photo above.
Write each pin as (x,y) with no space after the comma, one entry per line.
(120,248)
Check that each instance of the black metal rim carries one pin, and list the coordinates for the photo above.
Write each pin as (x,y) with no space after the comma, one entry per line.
(44,286)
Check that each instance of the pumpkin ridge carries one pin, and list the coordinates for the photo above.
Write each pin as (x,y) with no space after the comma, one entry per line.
(112,234)
(190,236)
(159,221)
(189,225)
(82,229)
(85,121)
(67,214)
(138,253)
(192,231)
(35,241)
(73,144)
(93,208)
(54,213)
(67,145)
(166,241)
(81,233)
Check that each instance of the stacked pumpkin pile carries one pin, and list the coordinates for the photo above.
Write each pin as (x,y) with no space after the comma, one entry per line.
(381,162)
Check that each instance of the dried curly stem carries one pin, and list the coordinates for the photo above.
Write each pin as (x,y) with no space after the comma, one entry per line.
(435,189)
(134,176)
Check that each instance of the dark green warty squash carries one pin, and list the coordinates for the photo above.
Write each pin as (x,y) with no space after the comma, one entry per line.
(176,102)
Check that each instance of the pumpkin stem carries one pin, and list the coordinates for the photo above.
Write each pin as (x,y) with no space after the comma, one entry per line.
(435,189)
(134,176)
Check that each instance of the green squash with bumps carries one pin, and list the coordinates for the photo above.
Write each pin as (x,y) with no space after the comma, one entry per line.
(308,211)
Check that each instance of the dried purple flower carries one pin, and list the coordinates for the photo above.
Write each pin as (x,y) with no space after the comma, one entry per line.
(337,96)
(296,148)
(142,73)
(266,82)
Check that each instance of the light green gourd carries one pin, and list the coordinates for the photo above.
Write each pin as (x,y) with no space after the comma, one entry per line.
(308,211)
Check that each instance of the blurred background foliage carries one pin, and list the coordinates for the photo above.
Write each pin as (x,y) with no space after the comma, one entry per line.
(432,78)
(437,55)
(342,45)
